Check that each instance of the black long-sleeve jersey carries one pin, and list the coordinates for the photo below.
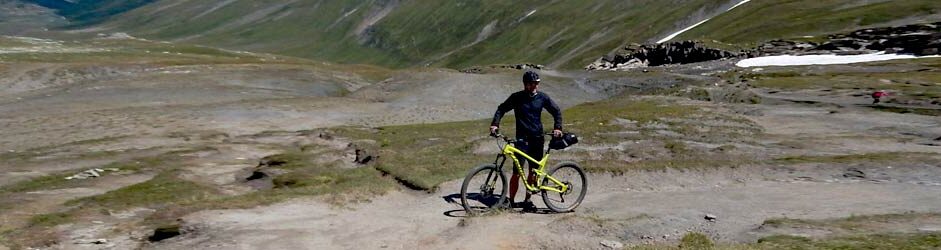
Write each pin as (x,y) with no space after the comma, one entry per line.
(528,109)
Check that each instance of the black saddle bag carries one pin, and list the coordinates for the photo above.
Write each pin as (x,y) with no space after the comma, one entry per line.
(566,140)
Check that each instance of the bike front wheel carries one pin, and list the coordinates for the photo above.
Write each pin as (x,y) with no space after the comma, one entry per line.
(484,190)
(572,176)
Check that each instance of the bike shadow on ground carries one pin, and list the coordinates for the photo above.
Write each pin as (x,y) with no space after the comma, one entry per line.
(488,201)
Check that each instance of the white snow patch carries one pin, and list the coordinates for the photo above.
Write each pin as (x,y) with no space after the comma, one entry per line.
(485,32)
(341,18)
(671,36)
(214,8)
(373,18)
(789,60)
(739,4)
(530,13)
(349,13)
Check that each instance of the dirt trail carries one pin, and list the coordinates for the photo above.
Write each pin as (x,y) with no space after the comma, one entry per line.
(616,209)
(635,208)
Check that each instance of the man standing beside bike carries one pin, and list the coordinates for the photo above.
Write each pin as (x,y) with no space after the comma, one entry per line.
(528,105)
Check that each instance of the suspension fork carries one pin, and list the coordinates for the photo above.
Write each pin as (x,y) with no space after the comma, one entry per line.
(501,159)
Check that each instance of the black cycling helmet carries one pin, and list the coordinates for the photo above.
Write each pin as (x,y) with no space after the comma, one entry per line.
(530,76)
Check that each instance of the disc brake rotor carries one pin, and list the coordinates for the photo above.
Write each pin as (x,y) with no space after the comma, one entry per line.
(486,190)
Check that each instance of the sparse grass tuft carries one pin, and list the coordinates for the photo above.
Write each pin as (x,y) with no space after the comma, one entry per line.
(868,157)
(695,240)
(855,232)
(338,187)
(856,224)
(165,188)
(593,119)
(51,219)
(45,182)
(425,155)
(675,147)
(288,160)
(873,241)
(909,110)
(911,83)
(57,180)
(694,161)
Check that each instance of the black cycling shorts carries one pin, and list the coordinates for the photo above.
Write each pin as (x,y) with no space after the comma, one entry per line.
(532,146)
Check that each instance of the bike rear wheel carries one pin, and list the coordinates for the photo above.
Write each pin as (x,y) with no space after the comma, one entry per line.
(571,175)
(484,190)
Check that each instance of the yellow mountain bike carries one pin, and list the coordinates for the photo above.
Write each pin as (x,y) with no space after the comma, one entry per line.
(484,190)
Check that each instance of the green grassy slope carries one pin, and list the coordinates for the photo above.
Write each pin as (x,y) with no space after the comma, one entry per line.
(571,34)
(758,21)
(564,33)
(461,33)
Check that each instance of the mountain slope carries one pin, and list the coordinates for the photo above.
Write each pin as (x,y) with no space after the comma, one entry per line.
(564,33)
(758,21)
(85,12)
(19,19)
(461,33)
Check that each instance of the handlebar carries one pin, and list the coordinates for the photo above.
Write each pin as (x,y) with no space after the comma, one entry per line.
(501,136)
(497,134)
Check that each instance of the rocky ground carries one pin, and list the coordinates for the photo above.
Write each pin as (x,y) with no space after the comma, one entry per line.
(915,39)
(749,154)
(633,208)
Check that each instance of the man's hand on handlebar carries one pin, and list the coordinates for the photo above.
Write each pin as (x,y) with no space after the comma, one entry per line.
(495,132)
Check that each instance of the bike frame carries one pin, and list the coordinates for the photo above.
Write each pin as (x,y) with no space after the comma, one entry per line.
(509,151)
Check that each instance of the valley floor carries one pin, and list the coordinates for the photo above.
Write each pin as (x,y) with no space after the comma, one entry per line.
(635,208)
(180,145)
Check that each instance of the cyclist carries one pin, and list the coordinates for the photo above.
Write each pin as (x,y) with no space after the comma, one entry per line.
(528,105)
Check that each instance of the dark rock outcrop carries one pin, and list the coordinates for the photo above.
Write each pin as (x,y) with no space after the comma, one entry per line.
(778,47)
(637,55)
(916,39)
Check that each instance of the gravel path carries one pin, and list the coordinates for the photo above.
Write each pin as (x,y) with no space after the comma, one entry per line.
(614,210)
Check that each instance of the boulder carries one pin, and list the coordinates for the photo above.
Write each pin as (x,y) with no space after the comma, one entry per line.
(612,244)
(363,157)
(257,174)
(710,217)
(854,173)
(165,232)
